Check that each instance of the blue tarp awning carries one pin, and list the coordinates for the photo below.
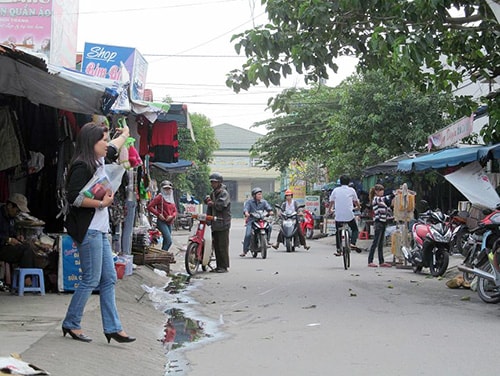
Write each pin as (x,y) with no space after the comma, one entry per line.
(450,157)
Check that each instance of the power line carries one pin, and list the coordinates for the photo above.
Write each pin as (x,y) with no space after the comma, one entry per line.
(195,56)
(128,10)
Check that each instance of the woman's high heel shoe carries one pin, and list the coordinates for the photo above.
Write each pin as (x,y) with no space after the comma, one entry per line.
(78,337)
(118,337)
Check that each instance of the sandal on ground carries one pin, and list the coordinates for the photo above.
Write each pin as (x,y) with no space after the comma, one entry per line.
(243,254)
(372,265)
(385,265)
(306,247)
(338,253)
(275,246)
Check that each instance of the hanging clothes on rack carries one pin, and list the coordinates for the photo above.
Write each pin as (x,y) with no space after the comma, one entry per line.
(164,145)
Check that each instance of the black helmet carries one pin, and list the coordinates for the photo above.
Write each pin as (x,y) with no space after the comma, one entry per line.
(256,190)
(215,176)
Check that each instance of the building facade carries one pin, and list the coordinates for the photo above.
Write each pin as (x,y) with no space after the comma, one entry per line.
(240,170)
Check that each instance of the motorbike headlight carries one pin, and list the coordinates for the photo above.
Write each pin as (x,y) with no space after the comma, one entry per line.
(440,237)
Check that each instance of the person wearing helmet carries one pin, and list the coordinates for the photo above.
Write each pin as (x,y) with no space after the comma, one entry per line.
(381,212)
(219,204)
(290,205)
(251,206)
(343,200)
(163,207)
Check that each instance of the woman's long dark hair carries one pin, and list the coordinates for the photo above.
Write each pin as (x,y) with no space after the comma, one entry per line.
(89,135)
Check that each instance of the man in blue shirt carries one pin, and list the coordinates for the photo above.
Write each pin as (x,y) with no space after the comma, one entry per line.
(251,206)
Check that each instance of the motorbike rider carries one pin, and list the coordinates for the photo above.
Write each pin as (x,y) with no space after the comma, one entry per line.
(251,206)
(219,205)
(290,205)
(343,200)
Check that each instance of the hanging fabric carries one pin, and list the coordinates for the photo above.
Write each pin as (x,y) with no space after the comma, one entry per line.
(164,145)
(9,143)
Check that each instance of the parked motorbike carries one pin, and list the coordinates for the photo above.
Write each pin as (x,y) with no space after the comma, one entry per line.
(460,231)
(431,243)
(261,233)
(482,257)
(184,221)
(289,228)
(307,224)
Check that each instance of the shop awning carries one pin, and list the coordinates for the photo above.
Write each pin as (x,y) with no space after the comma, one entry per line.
(450,158)
(388,167)
(173,168)
(26,75)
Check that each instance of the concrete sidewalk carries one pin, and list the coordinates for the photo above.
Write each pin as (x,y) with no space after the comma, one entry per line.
(30,325)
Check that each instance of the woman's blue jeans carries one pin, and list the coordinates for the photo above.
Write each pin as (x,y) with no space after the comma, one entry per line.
(166,232)
(98,271)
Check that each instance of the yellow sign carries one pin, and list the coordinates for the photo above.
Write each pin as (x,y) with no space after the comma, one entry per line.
(299,191)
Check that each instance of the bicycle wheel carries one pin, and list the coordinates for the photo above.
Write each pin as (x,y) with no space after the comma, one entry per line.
(346,251)
(192,262)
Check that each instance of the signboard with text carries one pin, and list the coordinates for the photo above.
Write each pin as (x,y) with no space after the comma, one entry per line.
(69,273)
(313,204)
(47,28)
(452,134)
(100,60)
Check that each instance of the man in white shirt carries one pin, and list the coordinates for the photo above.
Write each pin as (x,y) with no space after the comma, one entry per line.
(343,200)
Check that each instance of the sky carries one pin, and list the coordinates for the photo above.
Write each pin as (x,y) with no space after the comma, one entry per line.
(187,46)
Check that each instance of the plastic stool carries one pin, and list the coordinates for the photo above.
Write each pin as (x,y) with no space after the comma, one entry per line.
(364,235)
(38,283)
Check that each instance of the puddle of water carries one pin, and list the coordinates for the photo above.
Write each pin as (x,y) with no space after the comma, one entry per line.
(180,330)
(184,327)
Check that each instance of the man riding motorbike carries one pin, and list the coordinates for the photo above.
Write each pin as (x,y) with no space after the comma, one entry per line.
(290,205)
(251,206)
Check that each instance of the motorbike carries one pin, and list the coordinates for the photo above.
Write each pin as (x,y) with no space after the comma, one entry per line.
(289,228)
(483,253)
(431,243)
(184,221)
(261,233)
(460,231)
(307,224)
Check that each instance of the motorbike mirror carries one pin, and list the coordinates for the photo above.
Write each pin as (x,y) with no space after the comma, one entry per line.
(277,206)
(301,206)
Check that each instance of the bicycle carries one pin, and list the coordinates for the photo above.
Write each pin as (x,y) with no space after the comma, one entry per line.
(196,254)
(345,245)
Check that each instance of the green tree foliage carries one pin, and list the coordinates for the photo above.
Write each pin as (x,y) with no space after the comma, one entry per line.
(200,151)
(433,43)
(364,121)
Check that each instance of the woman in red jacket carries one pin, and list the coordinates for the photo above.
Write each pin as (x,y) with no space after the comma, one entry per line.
(163,207)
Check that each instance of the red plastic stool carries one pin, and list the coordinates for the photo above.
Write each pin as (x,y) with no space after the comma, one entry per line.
(364,235)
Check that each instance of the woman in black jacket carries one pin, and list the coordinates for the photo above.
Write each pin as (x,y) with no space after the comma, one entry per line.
(88,224)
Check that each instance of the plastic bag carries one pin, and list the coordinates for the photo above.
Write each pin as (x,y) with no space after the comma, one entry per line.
(106,177)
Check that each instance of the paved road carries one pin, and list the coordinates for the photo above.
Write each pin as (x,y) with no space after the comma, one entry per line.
(294,313)
(302,314)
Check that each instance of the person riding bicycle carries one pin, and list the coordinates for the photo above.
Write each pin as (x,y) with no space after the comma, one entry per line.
(219,204)
(343,200)
(290,205)
(251,206)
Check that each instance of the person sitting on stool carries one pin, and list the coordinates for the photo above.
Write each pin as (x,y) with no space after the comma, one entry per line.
(12,249)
